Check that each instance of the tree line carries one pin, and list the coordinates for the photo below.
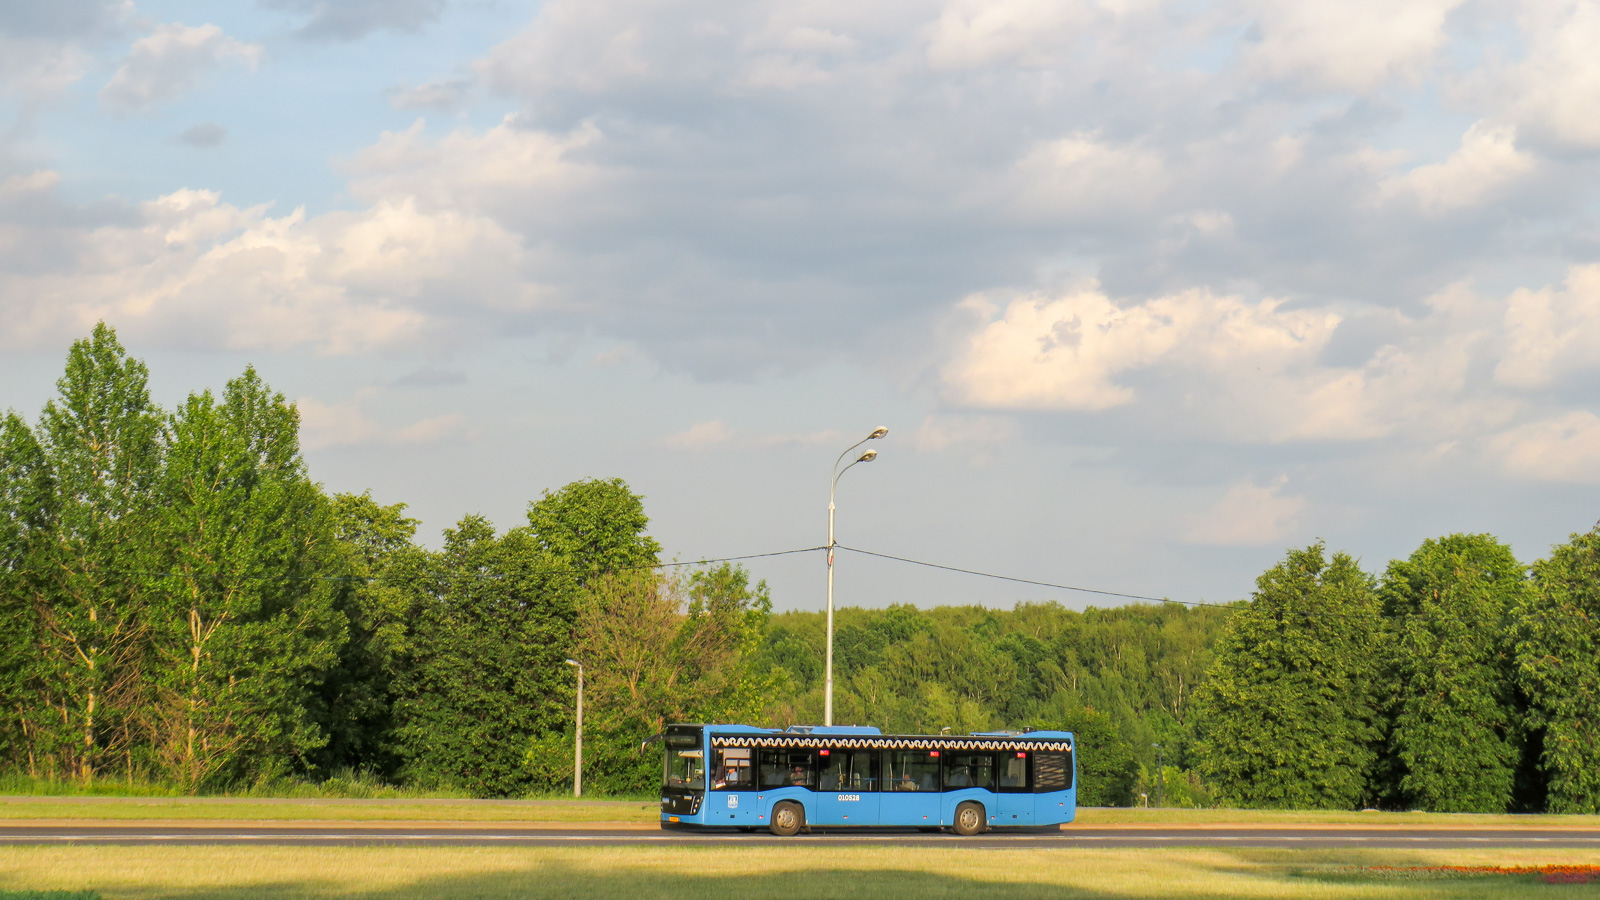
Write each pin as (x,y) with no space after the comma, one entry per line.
(181,604)
(1459,681)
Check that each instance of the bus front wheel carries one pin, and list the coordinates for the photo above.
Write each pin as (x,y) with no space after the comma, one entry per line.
(787,819)
(969,819)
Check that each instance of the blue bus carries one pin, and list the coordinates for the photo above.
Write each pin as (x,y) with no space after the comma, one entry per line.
(747,778)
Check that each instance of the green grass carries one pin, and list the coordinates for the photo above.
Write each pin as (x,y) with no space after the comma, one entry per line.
(352,784)
(801,869)
(327,810)
(1320,817)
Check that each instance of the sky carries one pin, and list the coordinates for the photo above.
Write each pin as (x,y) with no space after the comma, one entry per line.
(1146,292)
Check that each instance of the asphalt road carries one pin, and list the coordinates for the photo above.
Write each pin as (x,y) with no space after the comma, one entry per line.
(361,835)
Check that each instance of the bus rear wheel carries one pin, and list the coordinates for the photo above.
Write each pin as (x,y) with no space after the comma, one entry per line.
(969,820)
(787,819)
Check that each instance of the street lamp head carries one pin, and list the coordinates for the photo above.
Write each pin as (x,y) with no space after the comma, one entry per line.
(868,456)
(878,432)
(573,662)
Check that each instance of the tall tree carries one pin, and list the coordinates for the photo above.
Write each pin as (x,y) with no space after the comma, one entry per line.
(1558,665)
(25,516)
(356,700)
(660,649)
(1289,717)
(102,438)
(1457,733)
(244,627)
(595,526)
(483,667)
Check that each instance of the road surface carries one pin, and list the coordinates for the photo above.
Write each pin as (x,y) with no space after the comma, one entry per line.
(501,835)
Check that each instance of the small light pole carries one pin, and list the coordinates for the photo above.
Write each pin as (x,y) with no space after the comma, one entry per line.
(1161,774)
(833,484)
(577,750)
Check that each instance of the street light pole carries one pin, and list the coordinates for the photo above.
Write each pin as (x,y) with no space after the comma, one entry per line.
(577,749)
(833,484)
(1161,774)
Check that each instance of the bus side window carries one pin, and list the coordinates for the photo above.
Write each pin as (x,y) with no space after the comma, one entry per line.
(964,770)
(1014,771)
(911,770)
(772,770)
(849,770)
(787,768)
(732,772)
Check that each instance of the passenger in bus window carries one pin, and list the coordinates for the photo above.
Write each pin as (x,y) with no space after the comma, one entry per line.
(797,776)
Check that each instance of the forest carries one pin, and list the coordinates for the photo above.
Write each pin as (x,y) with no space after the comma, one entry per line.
(183,606)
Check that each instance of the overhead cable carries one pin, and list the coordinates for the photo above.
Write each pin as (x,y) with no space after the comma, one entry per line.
(1048,584)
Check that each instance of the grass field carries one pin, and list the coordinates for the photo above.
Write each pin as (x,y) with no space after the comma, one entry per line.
(281,873)
(634,811)
(257,809)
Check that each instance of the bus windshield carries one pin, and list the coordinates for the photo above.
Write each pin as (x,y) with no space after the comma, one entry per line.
(686,768)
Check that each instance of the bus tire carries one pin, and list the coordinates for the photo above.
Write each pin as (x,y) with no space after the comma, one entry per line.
(969,819)
(787,819)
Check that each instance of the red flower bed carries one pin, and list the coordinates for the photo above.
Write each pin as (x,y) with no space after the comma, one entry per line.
(1570,874)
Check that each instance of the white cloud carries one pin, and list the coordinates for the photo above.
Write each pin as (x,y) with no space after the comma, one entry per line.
(170,61)
(348,20)
(1564,449)
(972,33)
(1552,332)
(35,69)
(47,46)
(1083,176)
(446,94)
(517,173)
(1248,515)
(824,437)
(1346,45)
(977,438)
(195,270)
(1065,352)
(1552,87)
(32,183)
(700,436)
(428,431)
(1230,369)
(1487,163)
(325,425)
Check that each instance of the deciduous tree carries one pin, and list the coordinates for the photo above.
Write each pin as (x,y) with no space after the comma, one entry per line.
(1289,716)
(482,669)
(1558,665)
(245,626)
(1458,731)
(102,439)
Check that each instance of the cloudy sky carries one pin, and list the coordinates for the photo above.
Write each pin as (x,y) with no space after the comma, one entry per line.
(1145,291)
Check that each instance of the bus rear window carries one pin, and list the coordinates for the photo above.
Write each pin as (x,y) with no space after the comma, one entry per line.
(1052,772)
